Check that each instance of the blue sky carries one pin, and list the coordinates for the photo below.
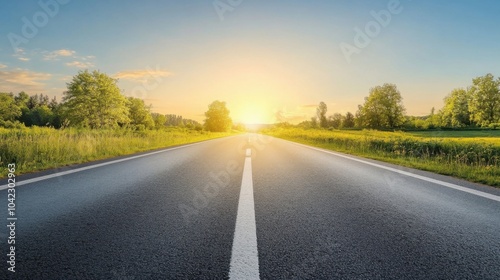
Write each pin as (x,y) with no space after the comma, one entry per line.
(260,57)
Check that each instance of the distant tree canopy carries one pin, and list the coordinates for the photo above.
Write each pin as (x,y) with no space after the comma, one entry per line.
(217,117)
(321,114)
(9,110)
(383,108)
(139,114)
(177,120)
(38,110)
(336,120)
(484,104)
(349,121)
(159,120)
(455,112)
(94,100)
(476,106)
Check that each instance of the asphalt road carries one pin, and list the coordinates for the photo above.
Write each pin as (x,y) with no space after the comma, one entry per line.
(317,215)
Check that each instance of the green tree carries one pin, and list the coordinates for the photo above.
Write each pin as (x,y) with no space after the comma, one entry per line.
(9,110)
(37,110)
(94,100)
(336,120)
(37,100)
(433,120)
(173,120)
(455,112)
(217,117)
(159,120)
(359,120)
(314,122)
(139,114)
(41,116)
(484,105)
(348,120)
(22,99)
(321,114)
(383,107)
(55,107)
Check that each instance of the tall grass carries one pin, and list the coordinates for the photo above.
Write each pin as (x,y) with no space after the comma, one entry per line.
(39,148)
(473,158)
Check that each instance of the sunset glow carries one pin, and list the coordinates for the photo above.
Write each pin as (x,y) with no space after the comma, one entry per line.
(260,57)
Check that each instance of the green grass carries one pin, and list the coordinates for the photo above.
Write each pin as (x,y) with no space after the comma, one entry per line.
(33,149)
(458,133)
(471,155)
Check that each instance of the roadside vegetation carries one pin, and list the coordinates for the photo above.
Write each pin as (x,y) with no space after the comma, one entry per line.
(38,148)
(472,158)
(462,139)
(93,121)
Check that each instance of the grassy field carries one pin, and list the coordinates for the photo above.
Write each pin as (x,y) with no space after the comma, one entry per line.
(471,155)
(37,148)
(489,135)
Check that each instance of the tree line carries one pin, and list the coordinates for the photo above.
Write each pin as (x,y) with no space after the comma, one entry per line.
(475,106)
(93,100)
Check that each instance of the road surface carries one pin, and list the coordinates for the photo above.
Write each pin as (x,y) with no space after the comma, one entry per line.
(247,207)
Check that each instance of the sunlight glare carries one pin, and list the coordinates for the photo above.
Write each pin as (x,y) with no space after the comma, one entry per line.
(252,113)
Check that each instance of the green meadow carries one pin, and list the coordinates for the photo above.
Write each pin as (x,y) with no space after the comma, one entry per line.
(471,155)
(38,148)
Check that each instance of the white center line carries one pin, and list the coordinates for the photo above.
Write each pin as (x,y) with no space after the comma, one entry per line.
(244,256)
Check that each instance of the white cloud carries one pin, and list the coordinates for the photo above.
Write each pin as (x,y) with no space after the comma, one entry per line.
(70,58)
(62,54)
(80,64)
(54,55)
(140,75)
(2,66)
(88,57)
(19,79)
(21,54)
(66,78)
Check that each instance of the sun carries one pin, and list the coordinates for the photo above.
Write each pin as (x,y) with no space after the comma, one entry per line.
(253,119)
(252,114)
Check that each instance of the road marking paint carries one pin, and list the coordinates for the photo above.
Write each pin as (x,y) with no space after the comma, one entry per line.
(244,256)
(41,178)
(423,178)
